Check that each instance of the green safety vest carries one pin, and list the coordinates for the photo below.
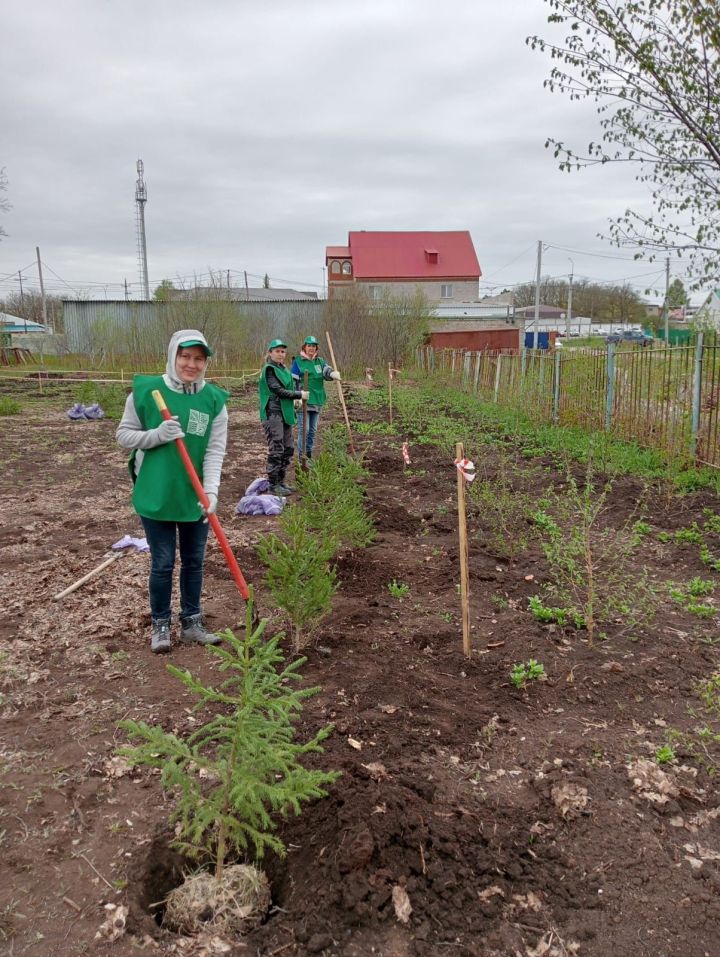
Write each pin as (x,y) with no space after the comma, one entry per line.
(163,490)
(287,406)
(316,383)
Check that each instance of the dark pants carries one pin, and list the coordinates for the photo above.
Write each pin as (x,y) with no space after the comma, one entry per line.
(161,537)
(312,417)
(280,447)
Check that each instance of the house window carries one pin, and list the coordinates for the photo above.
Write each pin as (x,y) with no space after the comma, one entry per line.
(432,256)
(446,291)
(375,292)
(335,267)
(347,269)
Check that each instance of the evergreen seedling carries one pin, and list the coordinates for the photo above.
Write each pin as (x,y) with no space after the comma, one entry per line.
(299,575)
(235,774)
(333,501)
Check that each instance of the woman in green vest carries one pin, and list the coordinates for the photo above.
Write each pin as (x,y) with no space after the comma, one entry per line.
(319,372)
(163,495)
(277,413)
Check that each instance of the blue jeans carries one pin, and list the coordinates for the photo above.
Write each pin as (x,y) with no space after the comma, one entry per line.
(312,416)
(161,537)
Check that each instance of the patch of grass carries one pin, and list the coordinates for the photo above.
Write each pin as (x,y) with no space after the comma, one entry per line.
(398,589)
(664,754)
(560,616)
(9,406)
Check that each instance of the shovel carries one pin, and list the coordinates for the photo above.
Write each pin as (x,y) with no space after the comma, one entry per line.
(303,457)
(205,502)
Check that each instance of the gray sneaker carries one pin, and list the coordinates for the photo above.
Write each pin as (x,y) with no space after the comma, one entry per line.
(193,630)
(160,642)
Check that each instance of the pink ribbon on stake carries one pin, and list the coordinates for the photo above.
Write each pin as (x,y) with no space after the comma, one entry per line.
(406,453)
(467,468)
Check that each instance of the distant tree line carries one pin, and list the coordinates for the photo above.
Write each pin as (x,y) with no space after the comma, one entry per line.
(603,303)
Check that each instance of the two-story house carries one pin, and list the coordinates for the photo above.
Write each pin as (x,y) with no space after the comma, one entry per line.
(443,265)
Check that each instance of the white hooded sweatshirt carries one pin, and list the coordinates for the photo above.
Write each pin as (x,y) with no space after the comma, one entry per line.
(131,435)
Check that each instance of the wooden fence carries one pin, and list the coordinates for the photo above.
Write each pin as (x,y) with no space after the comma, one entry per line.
(666,398)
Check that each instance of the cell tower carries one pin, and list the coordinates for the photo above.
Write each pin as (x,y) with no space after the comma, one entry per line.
(140,200)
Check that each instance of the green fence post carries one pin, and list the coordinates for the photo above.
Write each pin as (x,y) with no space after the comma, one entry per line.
(696,395)
(610,395)
(556,389)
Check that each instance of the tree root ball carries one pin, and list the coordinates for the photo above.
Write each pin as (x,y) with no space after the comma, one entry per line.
(231,906)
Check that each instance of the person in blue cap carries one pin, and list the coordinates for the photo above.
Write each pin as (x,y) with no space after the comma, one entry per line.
(319,372)
(277,397)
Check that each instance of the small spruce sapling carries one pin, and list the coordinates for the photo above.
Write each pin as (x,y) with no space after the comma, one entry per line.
(299,575)
(240,769)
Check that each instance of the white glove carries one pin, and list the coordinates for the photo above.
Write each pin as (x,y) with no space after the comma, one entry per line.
(169,430)
(305,396)
(212,505)
(335,375)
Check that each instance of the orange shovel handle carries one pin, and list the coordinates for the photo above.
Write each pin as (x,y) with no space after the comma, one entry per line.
(205,502)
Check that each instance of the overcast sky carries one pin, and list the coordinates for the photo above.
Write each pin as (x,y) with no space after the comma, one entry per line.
(270,128)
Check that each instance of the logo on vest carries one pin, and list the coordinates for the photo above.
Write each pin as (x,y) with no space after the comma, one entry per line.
(198,422)
(318,368)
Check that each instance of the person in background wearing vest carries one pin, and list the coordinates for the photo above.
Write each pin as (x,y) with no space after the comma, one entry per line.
(163,495)
(319,372)
(277,414)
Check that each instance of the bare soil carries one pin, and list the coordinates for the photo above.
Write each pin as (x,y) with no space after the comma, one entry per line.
(515,822)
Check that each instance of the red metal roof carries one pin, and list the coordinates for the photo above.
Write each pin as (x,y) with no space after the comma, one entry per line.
(401,255)
(337,252)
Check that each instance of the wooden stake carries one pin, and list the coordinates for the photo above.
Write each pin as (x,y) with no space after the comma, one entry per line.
(96,571)
(390,375)
(341,396)
(462,532)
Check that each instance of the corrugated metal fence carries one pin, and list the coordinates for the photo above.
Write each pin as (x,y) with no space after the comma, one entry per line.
(103,328)
(665,398)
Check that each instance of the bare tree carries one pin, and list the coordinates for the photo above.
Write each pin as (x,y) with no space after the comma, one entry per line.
(653,66)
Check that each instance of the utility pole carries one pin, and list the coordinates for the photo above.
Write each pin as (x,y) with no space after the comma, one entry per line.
(247,291)
(140,200)
(126,291)
(537,294)
(42,288)
(22,299)
(666,310)
(569,305)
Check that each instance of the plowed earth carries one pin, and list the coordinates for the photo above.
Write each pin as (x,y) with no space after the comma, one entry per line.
(513,821)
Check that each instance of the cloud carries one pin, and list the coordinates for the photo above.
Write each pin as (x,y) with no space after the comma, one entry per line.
(269,130)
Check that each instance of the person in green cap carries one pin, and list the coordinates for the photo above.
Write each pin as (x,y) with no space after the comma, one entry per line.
(319,372)
(162,494)
(277,414)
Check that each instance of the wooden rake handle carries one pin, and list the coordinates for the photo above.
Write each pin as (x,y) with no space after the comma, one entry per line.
(340,394)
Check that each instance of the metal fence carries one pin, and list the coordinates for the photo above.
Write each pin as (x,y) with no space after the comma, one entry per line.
(666,398)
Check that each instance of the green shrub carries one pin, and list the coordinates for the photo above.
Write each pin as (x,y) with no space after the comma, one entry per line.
(9,406)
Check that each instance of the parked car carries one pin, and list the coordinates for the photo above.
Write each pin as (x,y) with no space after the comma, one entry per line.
(630,335)
(636,335)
